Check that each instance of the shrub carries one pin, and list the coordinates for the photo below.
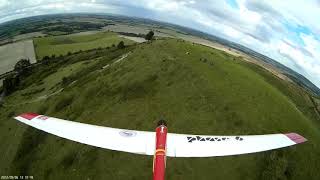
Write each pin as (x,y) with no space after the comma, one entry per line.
(10,84)
(121,45)
(65,80)
(22,65)
(45,58)
(149,36)
(63,102)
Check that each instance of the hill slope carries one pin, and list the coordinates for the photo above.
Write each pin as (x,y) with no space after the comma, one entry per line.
(61,45)
(195,88)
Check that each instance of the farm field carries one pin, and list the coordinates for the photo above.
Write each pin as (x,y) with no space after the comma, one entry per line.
(137,29)
(61,45)
(136,39)
(12,53)
(27,36)
(197,89)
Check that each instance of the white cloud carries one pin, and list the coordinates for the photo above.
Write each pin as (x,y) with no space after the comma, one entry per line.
(310,66)
(311,45)
(306,13)
(4,3)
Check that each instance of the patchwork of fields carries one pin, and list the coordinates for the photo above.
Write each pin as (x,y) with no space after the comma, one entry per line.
(61,45)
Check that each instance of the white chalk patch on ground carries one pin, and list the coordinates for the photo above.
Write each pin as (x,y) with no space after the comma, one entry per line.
(12,53)
(47,95)
(40,98)
(122,57)
(105,66)
(136,39)
(117,61)
(73,82)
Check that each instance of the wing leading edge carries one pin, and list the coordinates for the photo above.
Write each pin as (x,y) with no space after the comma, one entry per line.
(138,142)
(143,142)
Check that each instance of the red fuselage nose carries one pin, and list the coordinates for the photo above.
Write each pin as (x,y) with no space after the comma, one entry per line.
(159,161)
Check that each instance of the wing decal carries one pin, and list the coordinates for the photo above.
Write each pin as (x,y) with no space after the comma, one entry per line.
(29,116)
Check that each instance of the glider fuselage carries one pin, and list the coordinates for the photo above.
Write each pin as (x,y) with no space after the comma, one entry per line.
(159,160)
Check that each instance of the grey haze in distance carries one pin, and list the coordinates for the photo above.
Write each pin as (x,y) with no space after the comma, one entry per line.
(287,31)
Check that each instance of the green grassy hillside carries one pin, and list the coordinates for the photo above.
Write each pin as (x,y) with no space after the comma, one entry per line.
(195,88)
(61,45)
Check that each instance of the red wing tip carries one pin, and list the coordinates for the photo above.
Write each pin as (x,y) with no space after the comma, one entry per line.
(28,116)
(296,138)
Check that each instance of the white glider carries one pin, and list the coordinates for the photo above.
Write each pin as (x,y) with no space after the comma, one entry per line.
(159,143)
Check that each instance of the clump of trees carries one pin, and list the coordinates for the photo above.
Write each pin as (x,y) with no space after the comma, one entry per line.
(66,80)
(149,36)
(22,66)
(45,58)
(132,34)
(121,45)
(10,84)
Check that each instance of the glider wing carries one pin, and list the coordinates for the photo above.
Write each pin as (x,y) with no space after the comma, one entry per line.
(139,142)
(183,145)
(143,142)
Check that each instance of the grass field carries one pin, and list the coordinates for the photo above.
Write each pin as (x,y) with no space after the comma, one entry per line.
(204,91)
(61,45)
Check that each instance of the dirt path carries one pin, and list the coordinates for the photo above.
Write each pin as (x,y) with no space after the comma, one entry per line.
(40,98)
(48,95)
(118,60)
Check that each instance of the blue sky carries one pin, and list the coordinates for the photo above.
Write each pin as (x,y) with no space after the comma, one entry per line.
(287,31)
(233,3)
